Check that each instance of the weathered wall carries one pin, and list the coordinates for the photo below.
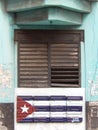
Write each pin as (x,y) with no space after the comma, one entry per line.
(89,61)
(89,56)
(6,56)
(89,50)
(90,25)
(90,66)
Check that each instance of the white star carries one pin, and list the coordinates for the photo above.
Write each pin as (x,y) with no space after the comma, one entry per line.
(24,109)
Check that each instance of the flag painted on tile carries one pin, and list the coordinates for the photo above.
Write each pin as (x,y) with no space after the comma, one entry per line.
(74,109)
(24,108)
(55,108)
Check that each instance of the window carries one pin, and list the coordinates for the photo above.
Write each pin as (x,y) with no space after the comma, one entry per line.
(49,61)
(64,64)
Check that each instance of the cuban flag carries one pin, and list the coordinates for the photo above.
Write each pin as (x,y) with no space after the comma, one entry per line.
(74,109)
(25,108)
(55,108)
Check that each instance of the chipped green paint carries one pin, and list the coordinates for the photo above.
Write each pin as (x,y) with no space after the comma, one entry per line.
(44,16)
(42,12)
(90,25)
(89,49)
(6,56)
(5,77)
(22,5)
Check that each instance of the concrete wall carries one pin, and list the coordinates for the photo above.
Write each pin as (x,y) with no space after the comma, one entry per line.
(89,53)
(6,56)
(89,50)
(89,56)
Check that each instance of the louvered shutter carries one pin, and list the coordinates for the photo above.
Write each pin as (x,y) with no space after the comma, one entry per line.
(65,64)
(48,58)
(33,65)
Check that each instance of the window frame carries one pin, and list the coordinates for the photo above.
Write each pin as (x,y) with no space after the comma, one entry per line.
(19,34)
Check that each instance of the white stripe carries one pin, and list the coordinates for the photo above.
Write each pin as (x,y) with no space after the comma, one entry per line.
(56,103)
(41,114)
(58,114)
(74,113)
(41,103)
(74,116)
(74,103)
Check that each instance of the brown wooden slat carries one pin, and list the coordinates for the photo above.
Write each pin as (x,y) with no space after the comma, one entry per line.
(33,85)
(64,80)
(35,45)
(68,68)
(33,77)
(26,68)
(64,72)
(64,76)
(33,60)
(64,85)
(33,57)
(65,65)
(64,44)
(64,55)
(31,49)
(64,49)
(33,65)
(33,81)
(33,53)
(61,61)
(33,73)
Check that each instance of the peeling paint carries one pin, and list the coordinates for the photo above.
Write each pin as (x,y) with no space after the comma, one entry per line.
(93,82)
(5,77)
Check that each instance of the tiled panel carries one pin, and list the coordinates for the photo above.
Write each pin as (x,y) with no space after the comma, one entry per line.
(55,108)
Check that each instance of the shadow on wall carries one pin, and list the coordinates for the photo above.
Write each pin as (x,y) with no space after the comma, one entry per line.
(91,115)
(6,116)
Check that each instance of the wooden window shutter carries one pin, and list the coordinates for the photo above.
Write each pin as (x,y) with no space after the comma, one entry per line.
(33,65)
(48,58)
(65,65)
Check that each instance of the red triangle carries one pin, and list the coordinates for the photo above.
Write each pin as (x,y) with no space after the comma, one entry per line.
(20,113)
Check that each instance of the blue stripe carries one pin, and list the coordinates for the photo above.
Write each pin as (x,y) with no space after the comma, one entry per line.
(26,97)
(58,108)
(42,108)
(58,119)
(52,120)
(44,120)
(74,98)
(41,98)
(58,97)
(50,108)
(27,120)
(74,120)
(74,108)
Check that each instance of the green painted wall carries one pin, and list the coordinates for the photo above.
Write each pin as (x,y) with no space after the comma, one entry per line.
(8,53)
(90,25)
(6,56)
